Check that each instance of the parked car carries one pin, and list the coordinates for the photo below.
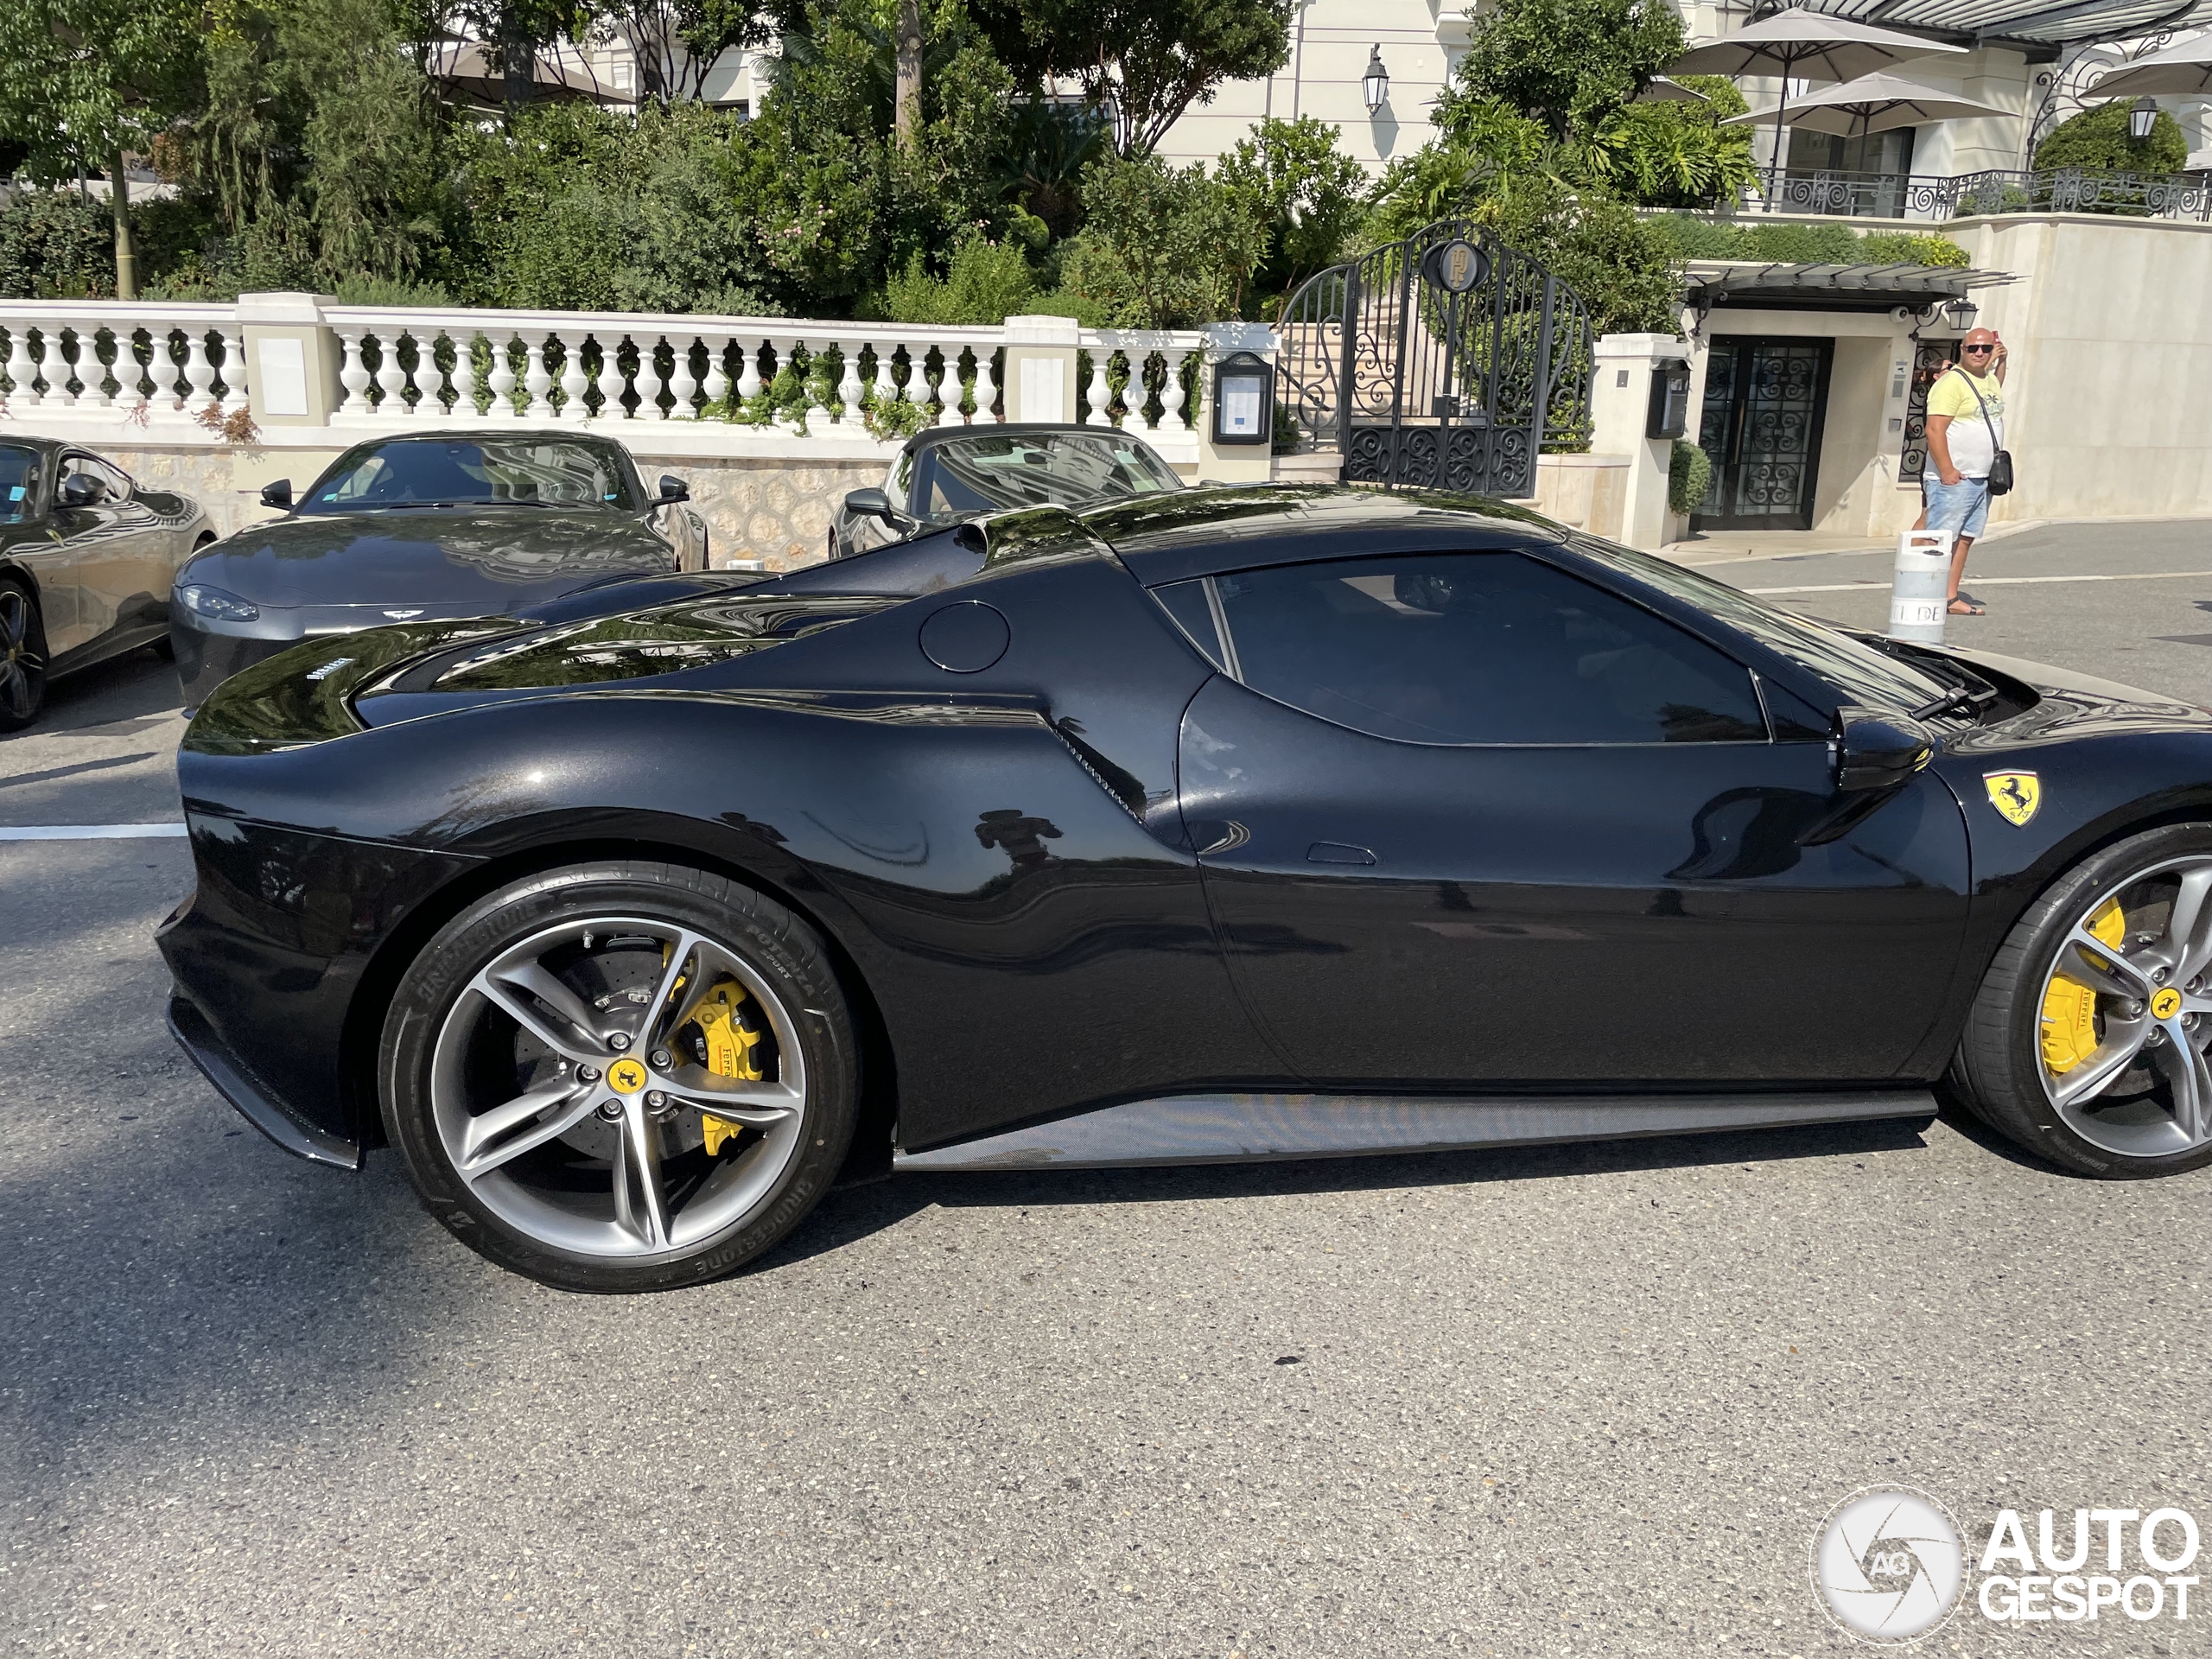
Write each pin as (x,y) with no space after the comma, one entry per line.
(1242,823)
(86,561)
(949,474)
(440,525)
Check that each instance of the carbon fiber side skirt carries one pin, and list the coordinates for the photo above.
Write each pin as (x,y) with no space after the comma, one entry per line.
(1250,1128)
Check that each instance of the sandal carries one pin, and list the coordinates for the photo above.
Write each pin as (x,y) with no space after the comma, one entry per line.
(1961,606)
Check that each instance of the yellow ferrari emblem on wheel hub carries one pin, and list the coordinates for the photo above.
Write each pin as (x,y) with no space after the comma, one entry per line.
(2016,795)
(2167,1003)
(625,1076)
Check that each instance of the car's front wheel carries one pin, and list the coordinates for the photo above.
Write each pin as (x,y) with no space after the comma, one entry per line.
(621,1076)
(22,657)
(2089,1040)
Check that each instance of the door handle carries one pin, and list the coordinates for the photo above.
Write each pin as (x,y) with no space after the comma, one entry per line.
(1336,852)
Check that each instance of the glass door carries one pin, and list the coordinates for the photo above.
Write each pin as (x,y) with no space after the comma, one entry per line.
(1765,403)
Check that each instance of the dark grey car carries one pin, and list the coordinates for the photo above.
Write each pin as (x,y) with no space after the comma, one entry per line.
(950,473)
(86,559)
(430,527)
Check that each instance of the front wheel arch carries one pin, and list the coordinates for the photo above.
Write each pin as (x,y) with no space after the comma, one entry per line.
(379,982)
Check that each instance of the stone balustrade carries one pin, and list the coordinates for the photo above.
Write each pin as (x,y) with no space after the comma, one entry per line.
(735,382)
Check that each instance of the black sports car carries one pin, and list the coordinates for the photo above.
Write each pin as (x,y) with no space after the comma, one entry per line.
(440,524)
(86,558)
(1228,824)
(949,474)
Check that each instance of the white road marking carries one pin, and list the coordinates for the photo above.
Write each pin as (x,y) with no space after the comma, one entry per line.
(2000,581)
(90,831)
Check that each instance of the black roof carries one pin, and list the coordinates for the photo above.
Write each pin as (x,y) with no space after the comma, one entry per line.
(1196,532)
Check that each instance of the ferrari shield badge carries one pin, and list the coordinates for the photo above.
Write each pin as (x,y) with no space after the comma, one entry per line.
(2016,795)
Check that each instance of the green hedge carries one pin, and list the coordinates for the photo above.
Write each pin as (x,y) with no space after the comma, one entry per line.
(1804,245)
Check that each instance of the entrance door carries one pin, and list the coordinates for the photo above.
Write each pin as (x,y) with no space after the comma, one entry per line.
(1765,403)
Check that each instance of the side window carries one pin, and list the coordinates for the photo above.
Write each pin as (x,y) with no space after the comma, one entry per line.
(1479,648)
(115,485)
(1187,602)
(897,482)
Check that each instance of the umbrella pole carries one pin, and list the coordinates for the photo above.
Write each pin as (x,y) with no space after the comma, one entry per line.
(1774,167)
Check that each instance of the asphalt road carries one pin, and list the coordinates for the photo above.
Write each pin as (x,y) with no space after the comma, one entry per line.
(1584,1401)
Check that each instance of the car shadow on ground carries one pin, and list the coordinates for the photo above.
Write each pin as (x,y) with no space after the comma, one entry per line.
(854,1213)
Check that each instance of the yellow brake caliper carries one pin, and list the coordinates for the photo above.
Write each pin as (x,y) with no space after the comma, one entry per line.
(729,1048)
(2070,1008)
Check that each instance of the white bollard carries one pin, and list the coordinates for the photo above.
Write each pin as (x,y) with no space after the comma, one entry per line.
(1919,596)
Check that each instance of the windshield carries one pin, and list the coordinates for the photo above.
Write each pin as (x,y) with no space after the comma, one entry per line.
(472,472)
(1042,469)
(18,483)
(1862,673)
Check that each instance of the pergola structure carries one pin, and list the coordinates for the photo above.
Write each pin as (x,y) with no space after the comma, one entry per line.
(2042,28)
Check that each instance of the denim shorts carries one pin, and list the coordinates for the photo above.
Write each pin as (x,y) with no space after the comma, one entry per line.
(1962,509)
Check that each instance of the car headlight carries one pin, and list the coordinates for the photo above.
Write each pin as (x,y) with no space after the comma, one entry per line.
(214,602)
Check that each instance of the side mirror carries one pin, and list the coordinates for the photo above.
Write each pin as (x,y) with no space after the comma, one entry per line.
(80,489)
(278,494)
(871,504)
(673,488)
(1879,751)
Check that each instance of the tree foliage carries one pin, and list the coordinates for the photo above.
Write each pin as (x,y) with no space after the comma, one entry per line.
(1142,62)
(1163,247)
(2097,140)
(1312,195)
(1568,64)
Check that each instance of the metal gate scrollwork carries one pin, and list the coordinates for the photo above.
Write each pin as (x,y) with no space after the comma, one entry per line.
(1446,360)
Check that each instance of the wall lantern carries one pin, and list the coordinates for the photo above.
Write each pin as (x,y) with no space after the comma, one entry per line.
(2142,116)
(1375,83)
(1959,314)
(1243,399)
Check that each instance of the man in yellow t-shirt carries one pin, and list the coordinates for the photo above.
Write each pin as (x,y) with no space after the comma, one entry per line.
(1966,429)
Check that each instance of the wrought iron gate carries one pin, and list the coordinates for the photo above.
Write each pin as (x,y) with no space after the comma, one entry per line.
(1447,359)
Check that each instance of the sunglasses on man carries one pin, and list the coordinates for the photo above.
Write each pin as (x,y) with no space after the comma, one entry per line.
(1971,350)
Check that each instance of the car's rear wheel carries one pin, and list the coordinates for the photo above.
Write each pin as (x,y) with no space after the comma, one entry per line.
(621,1076)
(22,657)
(2089,1040)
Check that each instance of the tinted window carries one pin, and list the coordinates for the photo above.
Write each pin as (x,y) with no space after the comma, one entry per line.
(1479,648)
(1861,673)
(1186,602)
(18,483)
(466,472)
(1044,469)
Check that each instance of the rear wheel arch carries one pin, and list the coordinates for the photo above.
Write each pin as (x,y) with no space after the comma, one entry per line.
(379,982)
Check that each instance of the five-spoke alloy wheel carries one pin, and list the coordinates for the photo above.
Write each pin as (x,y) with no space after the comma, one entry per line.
(22,657)
(621,1076)
(2089,1042)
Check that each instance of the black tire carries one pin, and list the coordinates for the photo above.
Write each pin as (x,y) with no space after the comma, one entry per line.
(1999,1069)
(790,961)
(22,655)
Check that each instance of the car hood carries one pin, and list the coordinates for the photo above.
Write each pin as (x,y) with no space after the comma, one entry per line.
(461,561)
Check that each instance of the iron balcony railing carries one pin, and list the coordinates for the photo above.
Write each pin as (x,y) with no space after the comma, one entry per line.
(2052,190)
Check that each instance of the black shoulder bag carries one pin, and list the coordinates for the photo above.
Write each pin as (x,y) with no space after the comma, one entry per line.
(2000,462)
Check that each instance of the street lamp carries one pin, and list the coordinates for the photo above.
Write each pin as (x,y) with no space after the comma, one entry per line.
(1959,314)
(2142,116)
(1375,83)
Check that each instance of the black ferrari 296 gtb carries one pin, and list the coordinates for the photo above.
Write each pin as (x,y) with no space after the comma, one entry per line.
(1222,824)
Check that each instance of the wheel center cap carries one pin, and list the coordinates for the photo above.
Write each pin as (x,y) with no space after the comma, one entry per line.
(2167,1003)
(627,1077)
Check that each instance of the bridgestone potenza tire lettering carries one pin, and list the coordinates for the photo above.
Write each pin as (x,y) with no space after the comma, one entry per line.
(725,929)
(2000,1067)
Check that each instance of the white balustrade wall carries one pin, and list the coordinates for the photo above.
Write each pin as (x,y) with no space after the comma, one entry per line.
(148,363)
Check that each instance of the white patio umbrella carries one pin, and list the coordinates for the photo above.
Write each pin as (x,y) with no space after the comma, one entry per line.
(1800,44)
(2180,69)
(1875,103)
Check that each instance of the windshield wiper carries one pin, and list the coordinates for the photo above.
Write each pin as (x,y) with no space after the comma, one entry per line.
(1958,700)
